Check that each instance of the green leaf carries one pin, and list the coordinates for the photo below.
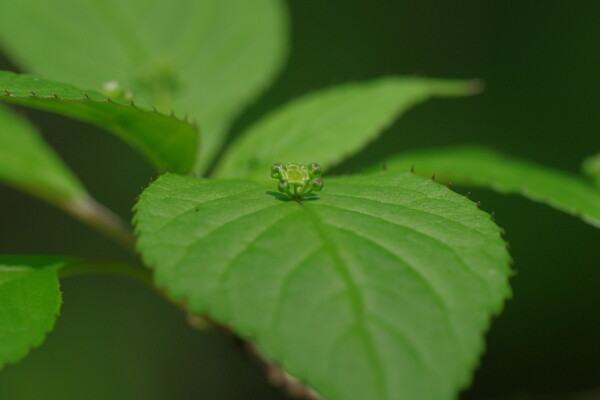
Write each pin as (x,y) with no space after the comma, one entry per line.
(379,288)
(208,58)
(166,141)
(27,162)
(478,166)
(330,125)
(591,167)
(30,301)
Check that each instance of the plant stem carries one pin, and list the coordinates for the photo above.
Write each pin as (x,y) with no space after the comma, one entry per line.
(94,214)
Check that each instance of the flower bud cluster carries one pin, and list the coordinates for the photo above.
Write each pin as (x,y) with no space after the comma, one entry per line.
(297,180)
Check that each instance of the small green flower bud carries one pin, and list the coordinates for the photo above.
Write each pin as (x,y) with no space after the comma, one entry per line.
(114,90)
(296,179)
(296,173)
(284,187)
(314,170)
(277,170)
(316,184)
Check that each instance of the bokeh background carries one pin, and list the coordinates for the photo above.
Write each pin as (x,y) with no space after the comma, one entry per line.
(117,340)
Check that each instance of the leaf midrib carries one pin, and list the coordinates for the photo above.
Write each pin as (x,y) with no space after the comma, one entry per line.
(356,300)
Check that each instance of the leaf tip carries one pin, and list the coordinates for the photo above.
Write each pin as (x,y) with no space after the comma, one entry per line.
(475,86)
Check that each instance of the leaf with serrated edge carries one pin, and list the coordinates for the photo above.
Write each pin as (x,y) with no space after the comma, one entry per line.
(30,301)
(480,166)
(379,288)
(168,142)
(331,124)
(207,58)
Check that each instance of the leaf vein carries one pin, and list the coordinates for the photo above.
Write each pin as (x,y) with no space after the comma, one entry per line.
(356,300)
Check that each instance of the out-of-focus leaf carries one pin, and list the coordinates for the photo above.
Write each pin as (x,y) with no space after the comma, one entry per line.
(331,124)
(30,301)
(28,163)
(478,166)
(168,142)
(207,58)
(591,167)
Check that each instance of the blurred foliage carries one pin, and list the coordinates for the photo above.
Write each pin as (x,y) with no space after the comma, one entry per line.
(539,62)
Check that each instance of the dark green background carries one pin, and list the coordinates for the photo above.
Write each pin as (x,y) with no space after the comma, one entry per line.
(117,340)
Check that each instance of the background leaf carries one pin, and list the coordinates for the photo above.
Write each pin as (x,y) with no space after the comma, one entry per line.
(30,301)
(207,58)
(330,125)
(166,141)
(478,166)
(27,162)
(380,288)
(591,167)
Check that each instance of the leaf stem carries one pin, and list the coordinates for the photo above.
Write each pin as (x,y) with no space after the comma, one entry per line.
(94,214)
